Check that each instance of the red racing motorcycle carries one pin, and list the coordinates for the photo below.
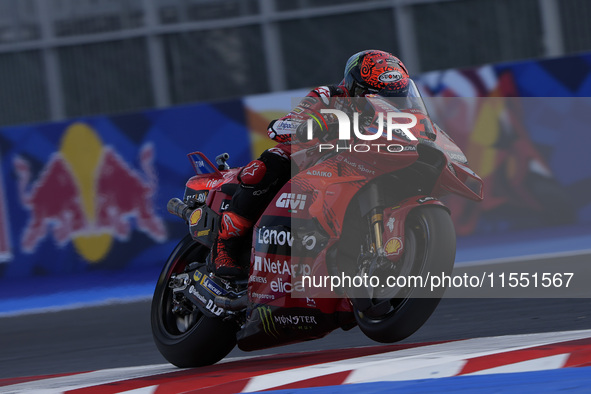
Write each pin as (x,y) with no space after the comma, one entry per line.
(356,213)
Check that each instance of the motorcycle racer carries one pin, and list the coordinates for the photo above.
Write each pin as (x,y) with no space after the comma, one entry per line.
(366,72)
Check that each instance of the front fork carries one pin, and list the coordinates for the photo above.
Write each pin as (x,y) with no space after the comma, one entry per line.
(371,205)
(376,230)
(371,260)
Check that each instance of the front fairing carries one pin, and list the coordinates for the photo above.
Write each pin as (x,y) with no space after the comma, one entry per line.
(456,177)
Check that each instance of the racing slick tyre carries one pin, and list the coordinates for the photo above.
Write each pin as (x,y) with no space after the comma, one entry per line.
(430,248)
(187,338)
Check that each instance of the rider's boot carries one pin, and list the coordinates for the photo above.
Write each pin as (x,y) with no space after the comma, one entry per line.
(230,243)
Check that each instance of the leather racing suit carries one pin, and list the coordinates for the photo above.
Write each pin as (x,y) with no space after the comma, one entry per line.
(260,181)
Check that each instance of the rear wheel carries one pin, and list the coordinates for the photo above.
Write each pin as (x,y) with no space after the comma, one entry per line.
(183,335)
(394,313)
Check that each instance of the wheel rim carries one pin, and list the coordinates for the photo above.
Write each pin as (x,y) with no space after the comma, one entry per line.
(175,324)
(411,263)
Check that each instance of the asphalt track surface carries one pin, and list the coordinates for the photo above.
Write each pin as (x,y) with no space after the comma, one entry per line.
(119,335)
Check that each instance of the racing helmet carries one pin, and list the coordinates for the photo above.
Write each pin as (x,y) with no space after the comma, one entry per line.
(376,72)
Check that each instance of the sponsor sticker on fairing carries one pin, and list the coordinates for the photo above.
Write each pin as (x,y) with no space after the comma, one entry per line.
(195,217)
(292,201)
(211,286)
(274,236)
(284,267)
(393,246)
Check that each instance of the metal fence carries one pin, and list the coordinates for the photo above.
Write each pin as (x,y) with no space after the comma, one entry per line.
(65,58)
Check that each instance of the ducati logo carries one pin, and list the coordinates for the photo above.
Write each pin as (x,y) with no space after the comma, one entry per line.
(292,201)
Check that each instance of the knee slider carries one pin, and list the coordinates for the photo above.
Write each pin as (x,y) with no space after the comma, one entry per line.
(253,173)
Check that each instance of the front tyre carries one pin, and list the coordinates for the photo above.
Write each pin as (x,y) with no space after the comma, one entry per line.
(430,248)
(187,338)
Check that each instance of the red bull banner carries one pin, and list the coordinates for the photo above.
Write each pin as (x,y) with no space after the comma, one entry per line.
(87,197)
(530,152)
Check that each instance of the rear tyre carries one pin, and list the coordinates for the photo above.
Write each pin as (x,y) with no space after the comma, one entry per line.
(187,339)
(430,247)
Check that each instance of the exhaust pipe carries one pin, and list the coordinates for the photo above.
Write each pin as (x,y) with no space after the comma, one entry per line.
(232,304)
(179,208)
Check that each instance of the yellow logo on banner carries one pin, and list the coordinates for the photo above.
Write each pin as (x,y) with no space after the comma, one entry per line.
(82,148)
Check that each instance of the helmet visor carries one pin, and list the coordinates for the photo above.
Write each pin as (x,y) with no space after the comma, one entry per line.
(410,98)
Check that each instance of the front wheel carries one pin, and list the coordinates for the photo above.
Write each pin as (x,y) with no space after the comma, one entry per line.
(430,247)
(184,335)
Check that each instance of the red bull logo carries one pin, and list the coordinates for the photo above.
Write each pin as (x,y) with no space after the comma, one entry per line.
(89,195)
(54,201)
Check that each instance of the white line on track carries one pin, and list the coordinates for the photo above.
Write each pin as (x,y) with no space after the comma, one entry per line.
(422,362)
(538,364)
(77,381)
(414,363)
